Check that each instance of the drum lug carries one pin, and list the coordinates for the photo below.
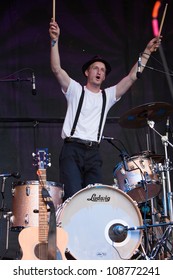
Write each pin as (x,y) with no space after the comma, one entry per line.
(27,219)
(135,202)
(27,190)
(115,185)
(141,161)
(13,191)
(12,220)
(122,171)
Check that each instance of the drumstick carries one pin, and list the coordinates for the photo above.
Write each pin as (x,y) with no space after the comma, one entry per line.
(53,10)
(163,18)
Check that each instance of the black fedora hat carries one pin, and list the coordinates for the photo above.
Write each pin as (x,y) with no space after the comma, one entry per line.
(95,59)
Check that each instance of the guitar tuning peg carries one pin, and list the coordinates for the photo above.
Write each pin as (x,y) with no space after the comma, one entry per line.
(33,154)
(49,164)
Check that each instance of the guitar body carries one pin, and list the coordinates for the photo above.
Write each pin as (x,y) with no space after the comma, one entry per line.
(32,249)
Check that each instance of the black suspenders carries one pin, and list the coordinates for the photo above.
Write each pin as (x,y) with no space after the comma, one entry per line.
(79,109)
(102,113)
(77,112)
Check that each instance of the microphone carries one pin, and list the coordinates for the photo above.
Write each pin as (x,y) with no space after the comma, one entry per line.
(14,174)
(33,84)
(107,138)
(119,229)
(138,74)
(123,156)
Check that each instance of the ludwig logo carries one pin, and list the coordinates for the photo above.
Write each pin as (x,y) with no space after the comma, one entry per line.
(98,198)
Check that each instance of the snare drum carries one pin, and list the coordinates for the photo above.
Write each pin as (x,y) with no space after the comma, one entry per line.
(25,202)
(93,218)
(141,182)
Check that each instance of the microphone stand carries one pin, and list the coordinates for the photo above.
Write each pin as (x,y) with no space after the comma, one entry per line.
(3,198)
(5,216)
(166,142)
(122,154)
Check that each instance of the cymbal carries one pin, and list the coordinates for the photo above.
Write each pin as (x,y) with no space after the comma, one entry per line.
(157,158)
(138,117)
(148,154)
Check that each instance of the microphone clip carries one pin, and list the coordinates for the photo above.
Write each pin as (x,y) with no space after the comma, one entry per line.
(124,157)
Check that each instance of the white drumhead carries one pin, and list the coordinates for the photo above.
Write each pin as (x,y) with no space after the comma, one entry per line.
(89,218)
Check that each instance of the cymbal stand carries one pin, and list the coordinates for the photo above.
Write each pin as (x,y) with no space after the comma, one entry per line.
(160,169)
(166,142)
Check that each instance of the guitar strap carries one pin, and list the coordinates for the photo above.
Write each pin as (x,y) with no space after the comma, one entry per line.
(52,225)
(79,109)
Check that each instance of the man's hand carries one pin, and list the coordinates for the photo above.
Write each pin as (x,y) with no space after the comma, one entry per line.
(54,30)
(154,44)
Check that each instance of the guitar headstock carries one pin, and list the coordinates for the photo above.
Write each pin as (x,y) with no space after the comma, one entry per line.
(42,158)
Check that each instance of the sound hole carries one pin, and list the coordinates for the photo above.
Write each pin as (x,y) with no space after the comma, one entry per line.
(41,251)
(117,237)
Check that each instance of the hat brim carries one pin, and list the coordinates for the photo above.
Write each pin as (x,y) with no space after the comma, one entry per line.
(87,64)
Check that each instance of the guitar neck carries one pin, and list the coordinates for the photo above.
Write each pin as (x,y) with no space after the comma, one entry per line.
(43,214)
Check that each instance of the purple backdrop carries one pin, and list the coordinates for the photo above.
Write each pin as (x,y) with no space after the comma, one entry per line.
(118,31)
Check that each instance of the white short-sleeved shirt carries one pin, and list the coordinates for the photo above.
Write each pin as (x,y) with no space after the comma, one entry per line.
(89,118)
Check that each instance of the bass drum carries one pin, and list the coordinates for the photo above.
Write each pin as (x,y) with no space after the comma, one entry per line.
(94,218)
(25,202)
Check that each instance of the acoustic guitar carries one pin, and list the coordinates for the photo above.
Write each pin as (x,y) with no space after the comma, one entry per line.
(34,240)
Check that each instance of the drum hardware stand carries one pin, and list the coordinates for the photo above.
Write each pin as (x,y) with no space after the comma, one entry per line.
(167,197)
(165,142)
(161,244)
(151,146)
(143,253)
(164,200)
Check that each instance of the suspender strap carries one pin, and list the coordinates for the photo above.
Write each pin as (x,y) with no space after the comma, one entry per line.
(78,112)
(79,109)
(102,113)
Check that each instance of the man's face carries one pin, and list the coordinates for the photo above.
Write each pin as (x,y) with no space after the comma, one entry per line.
(96,73)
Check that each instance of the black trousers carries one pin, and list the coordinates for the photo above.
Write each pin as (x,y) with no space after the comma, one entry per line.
(80,165)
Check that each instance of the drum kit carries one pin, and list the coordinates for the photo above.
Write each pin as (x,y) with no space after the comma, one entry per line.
(131,219)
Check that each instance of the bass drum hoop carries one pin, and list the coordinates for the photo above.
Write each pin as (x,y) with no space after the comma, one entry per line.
(88,217)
